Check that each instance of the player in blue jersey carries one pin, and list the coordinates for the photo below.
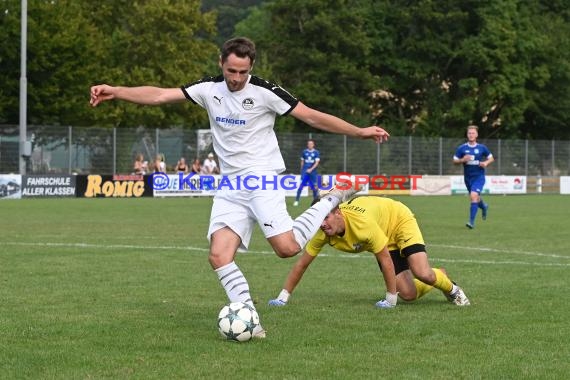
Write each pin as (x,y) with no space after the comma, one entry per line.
(242,109)
(475,158)
(310,159)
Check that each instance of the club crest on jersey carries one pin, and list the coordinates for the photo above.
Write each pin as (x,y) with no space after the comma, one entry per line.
(247,104)
(357,246)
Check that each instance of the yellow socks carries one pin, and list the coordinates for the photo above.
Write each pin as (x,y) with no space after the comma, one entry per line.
(442,282)
(421,288)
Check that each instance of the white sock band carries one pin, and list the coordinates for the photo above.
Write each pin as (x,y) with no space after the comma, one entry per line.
(234,283)
(308,223)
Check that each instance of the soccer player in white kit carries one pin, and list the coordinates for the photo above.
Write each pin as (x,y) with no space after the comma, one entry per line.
(242,110)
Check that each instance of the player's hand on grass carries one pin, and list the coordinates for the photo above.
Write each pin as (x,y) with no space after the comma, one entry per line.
(383,304)
(388,303)
(277,302)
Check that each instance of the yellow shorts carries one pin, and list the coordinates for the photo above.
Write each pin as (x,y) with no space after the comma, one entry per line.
(407,233)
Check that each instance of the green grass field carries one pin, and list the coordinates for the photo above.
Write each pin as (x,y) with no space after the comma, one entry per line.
(121,288)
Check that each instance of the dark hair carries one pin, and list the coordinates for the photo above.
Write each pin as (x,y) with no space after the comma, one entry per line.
(240,46)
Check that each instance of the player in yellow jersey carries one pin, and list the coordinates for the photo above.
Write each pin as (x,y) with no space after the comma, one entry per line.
(389,230)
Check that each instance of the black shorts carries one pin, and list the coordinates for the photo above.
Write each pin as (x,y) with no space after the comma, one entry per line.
(400,257)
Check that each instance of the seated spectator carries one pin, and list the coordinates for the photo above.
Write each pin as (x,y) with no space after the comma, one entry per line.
(181,166)
(159,165)
(210,166)
(140,166)
(196,166)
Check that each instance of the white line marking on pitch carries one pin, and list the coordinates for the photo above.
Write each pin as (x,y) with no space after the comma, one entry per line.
(495,250)
(339,255)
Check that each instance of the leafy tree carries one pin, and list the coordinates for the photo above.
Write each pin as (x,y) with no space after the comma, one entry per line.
(548,113)
(73,44)
(60,47)
(426,67)
(228,14)
(155,42)
(451,63)
(318,50)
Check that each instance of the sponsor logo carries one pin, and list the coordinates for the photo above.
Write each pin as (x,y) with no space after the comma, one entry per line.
(96,187)
(343,181)
(227,120)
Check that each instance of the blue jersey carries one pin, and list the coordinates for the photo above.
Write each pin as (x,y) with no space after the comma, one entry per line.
(480,153)
(309,158)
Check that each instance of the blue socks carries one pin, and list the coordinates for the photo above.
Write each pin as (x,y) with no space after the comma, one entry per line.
(473,212)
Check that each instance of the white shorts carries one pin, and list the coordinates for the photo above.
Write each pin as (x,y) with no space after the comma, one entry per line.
(241,209)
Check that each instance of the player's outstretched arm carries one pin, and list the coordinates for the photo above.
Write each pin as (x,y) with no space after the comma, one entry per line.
(146,95)
(389,274)
(293,279)
(330,123)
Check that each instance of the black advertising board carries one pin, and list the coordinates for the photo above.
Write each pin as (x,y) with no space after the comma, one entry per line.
(52,185)
(113,186)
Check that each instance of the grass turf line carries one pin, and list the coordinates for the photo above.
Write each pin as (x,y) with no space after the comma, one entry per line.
(121,288)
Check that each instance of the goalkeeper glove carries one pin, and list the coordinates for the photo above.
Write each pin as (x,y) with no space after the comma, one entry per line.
(389,302)
(281,299)
(277,302)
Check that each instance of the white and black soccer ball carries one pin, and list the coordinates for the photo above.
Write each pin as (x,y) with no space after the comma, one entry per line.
(237,320)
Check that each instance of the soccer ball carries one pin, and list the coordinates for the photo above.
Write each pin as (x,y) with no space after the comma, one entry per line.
(237,320)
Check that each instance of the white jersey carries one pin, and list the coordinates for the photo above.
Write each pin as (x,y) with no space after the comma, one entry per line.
(209,166)
(242,122)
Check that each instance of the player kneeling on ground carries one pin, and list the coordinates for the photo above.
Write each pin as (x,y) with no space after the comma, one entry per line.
(388,229)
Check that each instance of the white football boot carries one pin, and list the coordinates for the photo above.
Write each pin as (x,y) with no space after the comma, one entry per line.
(259,332)
(342,195)
(459,298)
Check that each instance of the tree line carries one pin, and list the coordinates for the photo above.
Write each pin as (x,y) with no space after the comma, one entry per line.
(421,67)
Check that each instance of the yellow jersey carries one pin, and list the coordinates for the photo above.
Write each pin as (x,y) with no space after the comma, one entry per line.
(371,223)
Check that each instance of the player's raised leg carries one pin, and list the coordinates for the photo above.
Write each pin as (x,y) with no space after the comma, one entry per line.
(288,241)
(306,225)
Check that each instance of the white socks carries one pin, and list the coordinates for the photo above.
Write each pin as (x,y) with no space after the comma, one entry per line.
(234,283)
(308,223)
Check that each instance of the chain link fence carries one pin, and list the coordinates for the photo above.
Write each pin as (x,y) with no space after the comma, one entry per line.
(66,150)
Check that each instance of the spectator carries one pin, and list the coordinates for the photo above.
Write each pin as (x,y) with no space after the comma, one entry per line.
(159,165)
(181,166)
(210,166)
(140,166)
(196,166)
